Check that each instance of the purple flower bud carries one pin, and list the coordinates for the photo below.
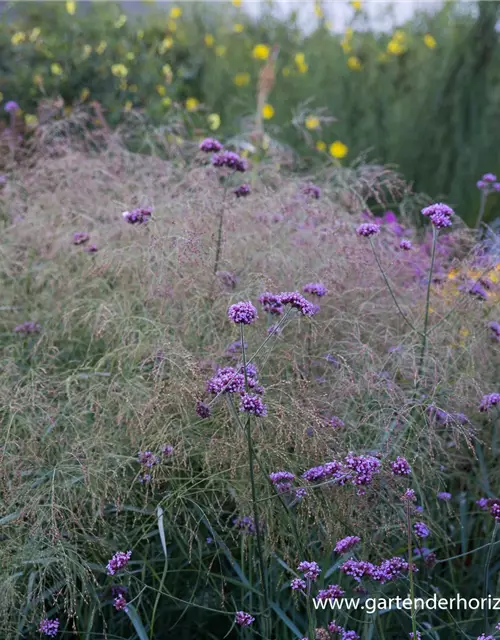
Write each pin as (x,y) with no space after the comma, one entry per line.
(210,145)
(310,570)
(368,229)
(49,627)
(117,562)
(243,619)
(230,160)
(80,237)
(311,190)
(400,467)
(242,191)
(405,245)
(490,400)
(421,529)
(11,107)
(316,289)
(242,313)
(252,404)
(346,544)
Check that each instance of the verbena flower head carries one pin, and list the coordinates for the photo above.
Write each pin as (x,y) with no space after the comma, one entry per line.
(389,570)
(489,177)
(346,544)
(440,221)
(483,636)
(245,524)
(421,529)
(253,404)
(357,569)
(117,562)
(482,503)
(297,301)
(412,636)
(167,450)
(316,289)
(138,216)
(210,145)
(147,459)
(332,592)
(226,380)
(271,303)
(489,400)
(405,245)
(231,160)
(495,329)
(119,603)
(336,422)
(495,511)
(439,214)
(203,410)
(310,570)
(80,237)
(311,190)
(409,496)
(278,477)
(444,495)
(333,627)
(400,467)
(242,191)
(28,327)
(364,468)
(11,106)
(92,248)
(49,627)
(243,619)
(349,635)
(297,584)
(242,313)
(368,229)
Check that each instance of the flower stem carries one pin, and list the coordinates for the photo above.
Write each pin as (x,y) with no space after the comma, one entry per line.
(410,570)
(258,532)
(218,246)
(486,570)
(427,305)
(482,207)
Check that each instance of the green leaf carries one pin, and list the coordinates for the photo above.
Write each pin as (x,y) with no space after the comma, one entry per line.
(136,621)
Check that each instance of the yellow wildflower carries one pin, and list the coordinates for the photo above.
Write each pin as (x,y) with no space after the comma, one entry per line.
(267,112)
(166,43)
(87,50)
(318,9)
(213,121)
(338,149)
(84,94)
(31,120)
(286,71)
(192,104)
(354,63)
(34,34)
(453,273)
(349,32)
(320,145)
(261,52)
(119,70)
(464,332)
(356,5)
(130,55)
(237,3)
(346,45)
(209,40)
(395,48)
(429,41)
(161,90)
(128,106)
(167,72)
(238,28)
(220,51)
(312,122)
(166,102)
(101,47)
(121,21)
(71,7)
(175,12)
(303,68)
(18,38)
(300,58)
(56,69)
(241,79)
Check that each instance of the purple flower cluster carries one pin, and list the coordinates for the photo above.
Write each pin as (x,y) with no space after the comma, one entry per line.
(167,450)
(444,495)
(203,410)
(210,145)
(346,544)
(242,313)
(147,459)
(409,496)
(297,584)
(387,571)
(439,214)
(405,245)
(331,470)
(282,480)
(495,330)
(483,636)
(242,191)
(357,569)
(490,400)
(49,627)
(445,418)
(297,301)
(271,303)
(138,216)
(332,592)
(245,524)
(310,570)
(119,603)
(336,423)
(400,467)
(252,404)
(311,190)
(11,106)
(117,562)
(28,327)
(482,503)
(243,619)
(226,380)
(364,468)
(231,160)
(415,637)
(495,511)
(488,183)
(316,289)
(80,237)
(421,529)
(368,229)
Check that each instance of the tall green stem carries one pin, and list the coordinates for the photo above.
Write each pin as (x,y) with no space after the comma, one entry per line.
(410,563)
(486,571)
(258,532)
(482,207)
(427,306)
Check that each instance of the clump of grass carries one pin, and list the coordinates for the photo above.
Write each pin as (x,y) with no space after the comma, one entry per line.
(129,336)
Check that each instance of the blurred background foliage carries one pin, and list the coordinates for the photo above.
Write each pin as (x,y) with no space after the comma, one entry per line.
(424,97)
